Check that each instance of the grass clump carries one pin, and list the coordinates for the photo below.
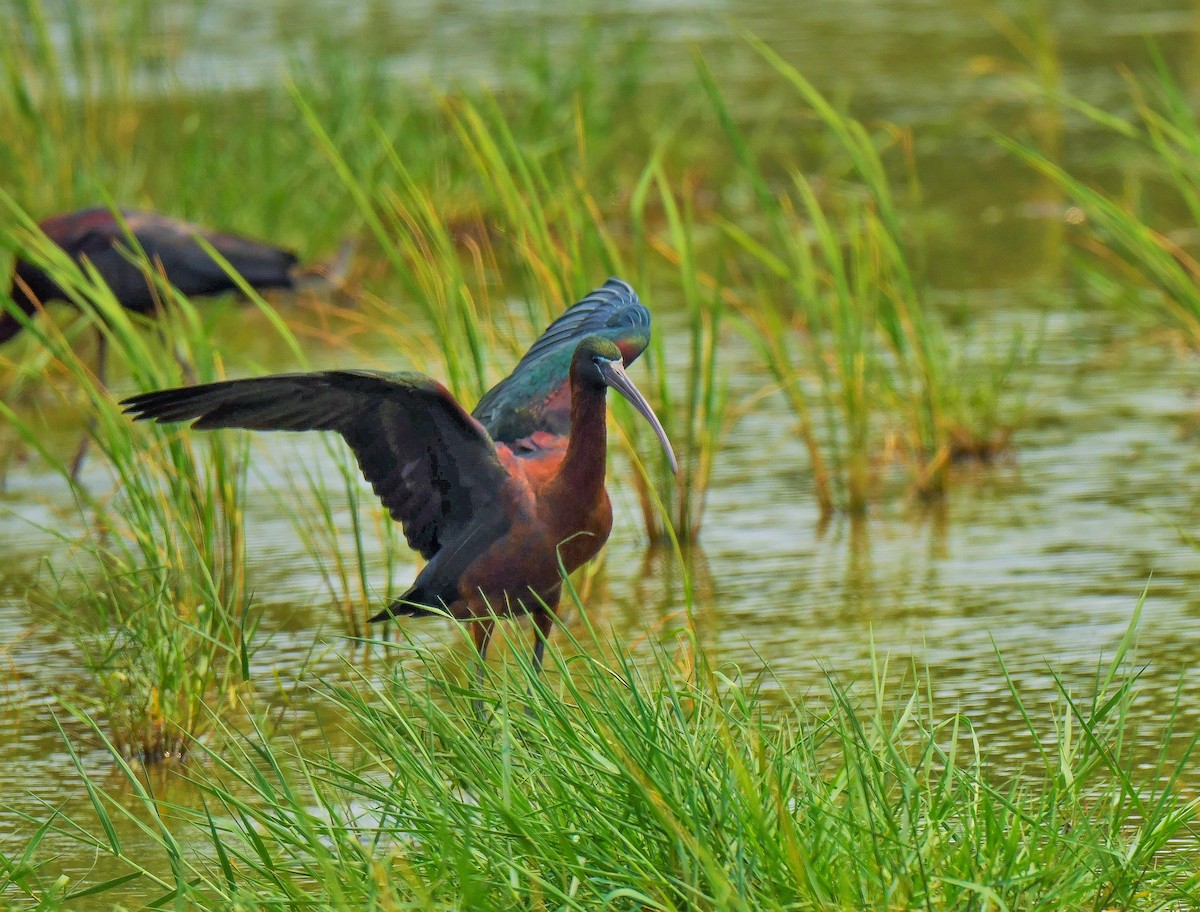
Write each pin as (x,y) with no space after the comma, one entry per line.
(660,782)
(156,601)
(830,292)
(984,402)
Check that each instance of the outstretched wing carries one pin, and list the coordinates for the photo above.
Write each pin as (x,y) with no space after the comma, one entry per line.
(536,395)
(433,466)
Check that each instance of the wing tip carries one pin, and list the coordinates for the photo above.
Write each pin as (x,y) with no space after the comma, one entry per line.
(150,406)
(615,292)
(618,296)
(138,406)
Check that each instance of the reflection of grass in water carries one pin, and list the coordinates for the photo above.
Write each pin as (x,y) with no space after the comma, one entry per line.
(662,782)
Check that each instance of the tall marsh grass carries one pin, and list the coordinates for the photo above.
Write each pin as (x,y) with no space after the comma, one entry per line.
(94,111)
(1140,247)
(540,232)
(831,293)
(660,782)
(157,601)
(652,780)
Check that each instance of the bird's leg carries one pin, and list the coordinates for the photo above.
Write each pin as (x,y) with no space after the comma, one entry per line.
(90,428)
(102,359)
(481,630)
(186,368)
(81,450)
(544,622)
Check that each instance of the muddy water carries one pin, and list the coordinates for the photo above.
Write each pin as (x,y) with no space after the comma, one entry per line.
(1042,557)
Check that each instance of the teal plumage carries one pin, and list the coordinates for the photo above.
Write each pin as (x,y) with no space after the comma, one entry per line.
(535,396)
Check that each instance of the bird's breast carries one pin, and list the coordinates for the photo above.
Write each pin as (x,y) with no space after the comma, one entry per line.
(584,512)
(546,531)
(580,536)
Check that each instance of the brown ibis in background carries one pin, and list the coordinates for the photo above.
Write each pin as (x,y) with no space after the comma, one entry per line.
(170,245)
(494,501)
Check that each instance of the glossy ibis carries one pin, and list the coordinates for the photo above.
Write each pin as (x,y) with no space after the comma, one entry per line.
(97,236)
(493,501)
(171,246)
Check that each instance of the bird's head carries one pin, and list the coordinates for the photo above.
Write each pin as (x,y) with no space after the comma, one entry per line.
(598,363)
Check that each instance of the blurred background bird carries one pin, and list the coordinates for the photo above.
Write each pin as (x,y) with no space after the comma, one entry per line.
(111,241)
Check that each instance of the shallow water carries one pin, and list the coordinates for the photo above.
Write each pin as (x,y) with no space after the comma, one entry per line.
(1042,556)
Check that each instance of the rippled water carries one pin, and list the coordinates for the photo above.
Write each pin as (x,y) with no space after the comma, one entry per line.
(1042,556)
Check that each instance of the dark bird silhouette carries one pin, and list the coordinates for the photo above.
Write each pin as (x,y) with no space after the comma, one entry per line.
(171,246)
(493,502)
(97,236)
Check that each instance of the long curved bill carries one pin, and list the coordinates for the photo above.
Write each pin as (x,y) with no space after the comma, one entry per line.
(614,375)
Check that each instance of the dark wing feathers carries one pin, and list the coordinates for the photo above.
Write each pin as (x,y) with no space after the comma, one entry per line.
(193,271)
(432,465)
(189,266)
(96,234)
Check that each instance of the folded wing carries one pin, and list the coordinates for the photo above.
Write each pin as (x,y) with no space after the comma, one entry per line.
(536,395)
(190,267)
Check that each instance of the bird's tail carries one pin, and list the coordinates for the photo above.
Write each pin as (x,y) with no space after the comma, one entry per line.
(412,603)
(402,608)
(329,274)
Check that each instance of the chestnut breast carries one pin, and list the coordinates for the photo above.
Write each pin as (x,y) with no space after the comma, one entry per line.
(528,556)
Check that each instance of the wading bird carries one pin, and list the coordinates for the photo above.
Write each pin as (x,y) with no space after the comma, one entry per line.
(493,501)
(97,236)
(171,247)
